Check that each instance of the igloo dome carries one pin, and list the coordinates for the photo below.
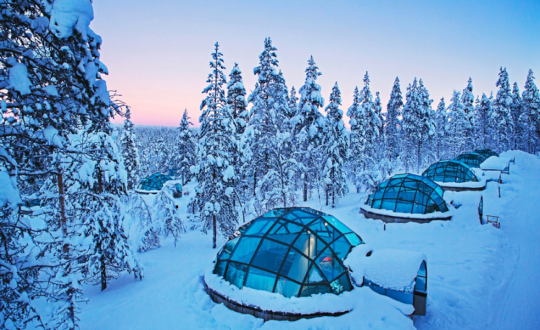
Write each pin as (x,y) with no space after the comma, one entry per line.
(296,252)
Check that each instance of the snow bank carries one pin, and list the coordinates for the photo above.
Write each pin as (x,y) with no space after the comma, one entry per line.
(428,216)
(481,183)
(71,14)
(327,303)
(389,268)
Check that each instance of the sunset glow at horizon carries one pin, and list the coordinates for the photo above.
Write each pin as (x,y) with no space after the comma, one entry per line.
(158,54)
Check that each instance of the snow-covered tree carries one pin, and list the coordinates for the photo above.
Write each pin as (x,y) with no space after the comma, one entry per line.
(166,212)
(267,143)
(217,146)
(185,150)
(417,124)
(516,109)
(467,104)
(130,154)
(56,109)
(457,123)
(440,137)
(336,149)
(236,99)
(482,125)
(308,129)
(293,104)
(531,114)
(502,122)
(392,125)
(356,139)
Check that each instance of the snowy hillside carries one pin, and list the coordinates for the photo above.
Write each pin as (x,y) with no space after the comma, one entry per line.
(479,277)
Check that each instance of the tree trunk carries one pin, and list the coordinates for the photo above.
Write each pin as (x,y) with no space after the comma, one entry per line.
(254,184)
(214,229)
(62,202)
(103,273)
(327,191)
(305,188)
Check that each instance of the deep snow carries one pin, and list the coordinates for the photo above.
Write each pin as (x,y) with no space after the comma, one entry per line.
(479,277)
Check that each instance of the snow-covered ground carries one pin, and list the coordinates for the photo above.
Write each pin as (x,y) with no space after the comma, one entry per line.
(479,277)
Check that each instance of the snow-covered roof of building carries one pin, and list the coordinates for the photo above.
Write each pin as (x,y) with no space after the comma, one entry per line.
(388,268)
(495,163)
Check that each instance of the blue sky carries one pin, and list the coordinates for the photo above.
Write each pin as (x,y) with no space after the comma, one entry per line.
(158,52)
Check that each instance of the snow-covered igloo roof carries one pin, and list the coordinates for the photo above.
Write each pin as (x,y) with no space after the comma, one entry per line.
(296,252)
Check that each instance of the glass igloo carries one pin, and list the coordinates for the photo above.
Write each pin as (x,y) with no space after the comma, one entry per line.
(153,183)
(296,252)
(450,171)
(408,193)
(472,159)
(486,152)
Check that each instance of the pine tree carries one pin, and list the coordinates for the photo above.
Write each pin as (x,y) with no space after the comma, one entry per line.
(417,123)
(236,99)
(440,138)
(165,211)
(467,102)
(531,114)
(336,151)
(457,123)
(516,109)
(482,123)
(267,144)
(392,124)
(52,114)
(186,149)
(293,104)
(356,139)
(502,117)
(217,145)
(308,130)
(130,153)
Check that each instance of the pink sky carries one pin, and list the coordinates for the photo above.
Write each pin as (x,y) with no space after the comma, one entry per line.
(158,54)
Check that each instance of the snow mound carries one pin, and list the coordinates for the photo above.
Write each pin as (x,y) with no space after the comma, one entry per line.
(18,77)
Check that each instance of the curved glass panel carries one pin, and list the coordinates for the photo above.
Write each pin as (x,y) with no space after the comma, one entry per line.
(486,152)
(292,251)
(472,159)
(154,182)
(450,171)
(408,193)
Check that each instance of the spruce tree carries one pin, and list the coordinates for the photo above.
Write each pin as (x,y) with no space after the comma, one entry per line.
(516,109)
(482,123)
(293,104)
(236,99)
(336,150)
(130,154)
(417,124)
(186,149)
(531,114)
(267,143)
(502,117)
(457,123)
(165,211)
(392,124)
(440,138)
(308,130)
(217,146)
(467,102)
(356,139)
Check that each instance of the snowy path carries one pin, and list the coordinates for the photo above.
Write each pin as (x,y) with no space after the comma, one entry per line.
(519,300)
